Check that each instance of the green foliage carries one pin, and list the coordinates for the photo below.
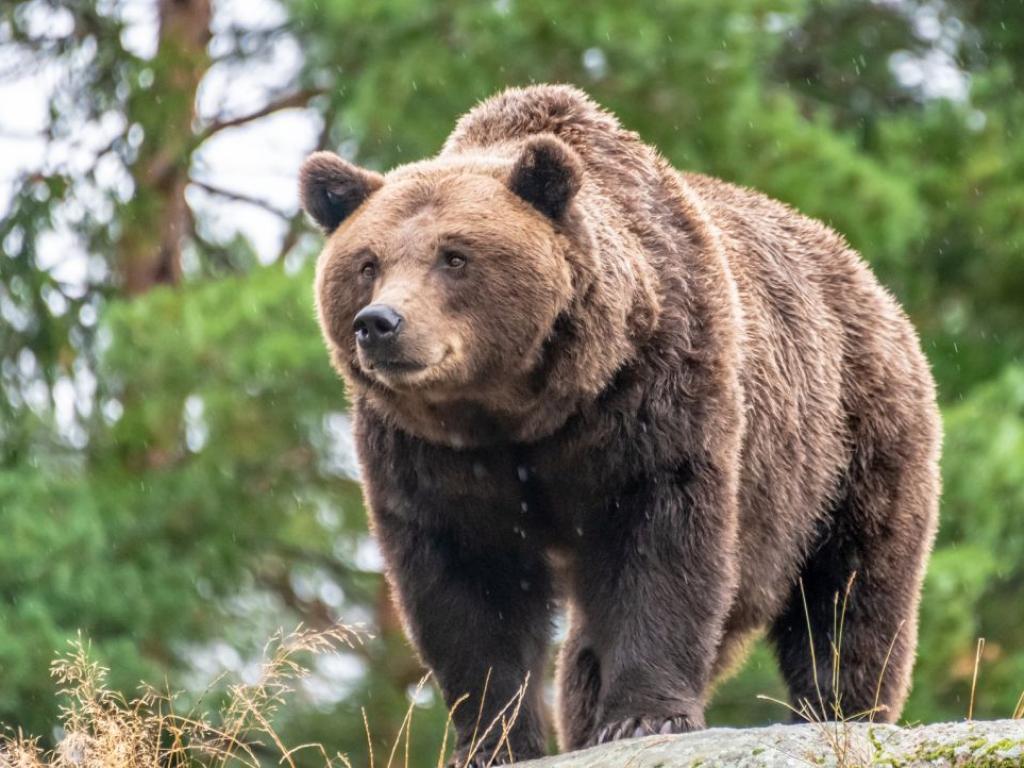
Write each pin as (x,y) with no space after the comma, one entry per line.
(202,493)
(145,541)
(683,74)
(977,573)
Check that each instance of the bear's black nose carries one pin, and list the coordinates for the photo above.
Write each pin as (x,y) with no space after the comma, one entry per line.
(376,323)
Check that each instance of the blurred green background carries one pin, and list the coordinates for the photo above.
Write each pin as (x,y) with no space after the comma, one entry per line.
(176,473)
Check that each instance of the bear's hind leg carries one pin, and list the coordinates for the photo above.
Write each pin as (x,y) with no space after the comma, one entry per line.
(864,639)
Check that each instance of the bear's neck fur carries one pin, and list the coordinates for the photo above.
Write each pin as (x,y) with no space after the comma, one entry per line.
(616,260)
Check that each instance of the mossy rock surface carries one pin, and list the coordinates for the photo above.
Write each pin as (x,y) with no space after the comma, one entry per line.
(978,744)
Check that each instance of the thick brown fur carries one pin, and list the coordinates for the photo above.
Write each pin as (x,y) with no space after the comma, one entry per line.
(660,398)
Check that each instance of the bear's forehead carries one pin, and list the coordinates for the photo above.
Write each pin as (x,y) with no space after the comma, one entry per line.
(406,195)
(431,204)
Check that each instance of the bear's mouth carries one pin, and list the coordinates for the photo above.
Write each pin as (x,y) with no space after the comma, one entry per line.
(391,367)
(401,371)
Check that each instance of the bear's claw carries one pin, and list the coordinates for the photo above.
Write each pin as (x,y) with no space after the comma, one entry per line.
(477,761)
(485,758)
(636,727)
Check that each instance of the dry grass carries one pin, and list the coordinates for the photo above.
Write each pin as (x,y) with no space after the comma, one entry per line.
(104,729)
(480,743)
(829,717)
(1018,711)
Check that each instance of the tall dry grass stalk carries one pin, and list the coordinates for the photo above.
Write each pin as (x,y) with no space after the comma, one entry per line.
(974,677)
(479,752)
(829,716)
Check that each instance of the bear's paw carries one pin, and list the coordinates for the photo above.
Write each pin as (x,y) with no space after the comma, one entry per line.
(637,727)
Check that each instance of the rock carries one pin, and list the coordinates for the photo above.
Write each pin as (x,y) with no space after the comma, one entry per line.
(977,744)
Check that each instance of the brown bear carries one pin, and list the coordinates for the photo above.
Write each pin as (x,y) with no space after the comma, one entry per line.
(676,407)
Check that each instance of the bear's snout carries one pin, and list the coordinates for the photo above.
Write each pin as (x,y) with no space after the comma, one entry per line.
(376,325)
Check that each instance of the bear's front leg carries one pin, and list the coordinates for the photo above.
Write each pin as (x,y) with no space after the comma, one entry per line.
(479,611)
(651,598)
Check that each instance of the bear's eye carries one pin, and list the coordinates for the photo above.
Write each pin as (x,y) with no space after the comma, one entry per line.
(454,259)
(368,270)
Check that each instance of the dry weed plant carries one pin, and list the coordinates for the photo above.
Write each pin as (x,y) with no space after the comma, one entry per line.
(476,756)
(104,729)
(831,721)
(829,717)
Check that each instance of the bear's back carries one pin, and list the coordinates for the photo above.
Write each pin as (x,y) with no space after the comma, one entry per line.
(516,113)
(802,270)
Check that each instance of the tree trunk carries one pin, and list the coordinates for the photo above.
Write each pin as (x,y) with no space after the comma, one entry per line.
(156,218)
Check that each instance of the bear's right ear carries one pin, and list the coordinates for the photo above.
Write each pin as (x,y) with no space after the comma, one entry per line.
(547,175)
(330,188)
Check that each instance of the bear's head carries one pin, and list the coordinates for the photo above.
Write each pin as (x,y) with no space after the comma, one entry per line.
(443,285)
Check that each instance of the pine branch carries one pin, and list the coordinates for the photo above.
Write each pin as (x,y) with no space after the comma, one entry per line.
(291,101)
(242,198)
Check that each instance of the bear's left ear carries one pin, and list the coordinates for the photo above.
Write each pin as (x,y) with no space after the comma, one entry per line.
(331,189)
(547,175)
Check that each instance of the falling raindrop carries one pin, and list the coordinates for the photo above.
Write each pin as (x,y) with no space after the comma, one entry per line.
(595,62)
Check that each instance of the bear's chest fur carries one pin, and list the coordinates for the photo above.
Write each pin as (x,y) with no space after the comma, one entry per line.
(553,494)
